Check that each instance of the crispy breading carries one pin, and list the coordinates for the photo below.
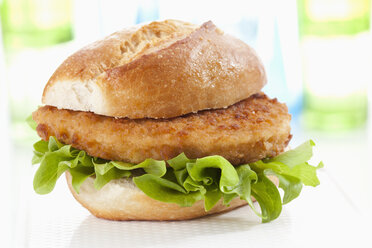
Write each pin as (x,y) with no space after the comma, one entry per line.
(247,131)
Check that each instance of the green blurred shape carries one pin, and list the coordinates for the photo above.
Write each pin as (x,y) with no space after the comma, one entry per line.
(335,113)
(323,23)
(35,23)
(31,24)
(333,17)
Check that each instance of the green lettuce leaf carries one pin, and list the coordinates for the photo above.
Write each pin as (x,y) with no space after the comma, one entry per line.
(55,158)
(110,170)
(79,174)
(150,166)
(211,197)
(297,156)
(292,169)
(185,181)
(292,187)
(31,122)
(165,190)
(215,174)
(268,197)
(247,177)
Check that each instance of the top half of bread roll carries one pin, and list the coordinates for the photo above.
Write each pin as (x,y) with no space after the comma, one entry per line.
(157,70)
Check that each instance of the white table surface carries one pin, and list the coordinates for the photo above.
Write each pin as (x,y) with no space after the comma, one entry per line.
(336,213)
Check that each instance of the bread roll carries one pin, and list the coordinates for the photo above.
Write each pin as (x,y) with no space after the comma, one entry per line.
(159,70)
(121,200)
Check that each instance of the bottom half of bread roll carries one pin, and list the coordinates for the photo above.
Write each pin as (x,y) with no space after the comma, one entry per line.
(120,199)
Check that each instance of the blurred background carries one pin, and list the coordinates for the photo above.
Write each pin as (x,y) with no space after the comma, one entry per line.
(317,55)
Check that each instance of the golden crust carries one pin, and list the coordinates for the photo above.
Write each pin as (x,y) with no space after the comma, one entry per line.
(122,200)
(161,70)
(247,131)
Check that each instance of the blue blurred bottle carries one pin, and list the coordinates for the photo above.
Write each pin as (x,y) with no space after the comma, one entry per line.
(147,11)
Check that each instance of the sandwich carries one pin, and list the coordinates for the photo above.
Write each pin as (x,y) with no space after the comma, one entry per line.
(167,121)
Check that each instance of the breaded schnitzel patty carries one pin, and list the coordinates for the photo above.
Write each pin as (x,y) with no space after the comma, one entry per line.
(247,131)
